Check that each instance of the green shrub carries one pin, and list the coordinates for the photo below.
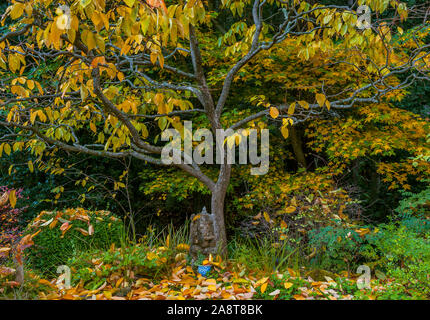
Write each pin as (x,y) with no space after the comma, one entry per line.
(63,234)
(153,257)
(414,211)
(338,248)
(404,254)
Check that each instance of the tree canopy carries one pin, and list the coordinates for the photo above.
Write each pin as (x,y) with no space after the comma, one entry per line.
(106,78)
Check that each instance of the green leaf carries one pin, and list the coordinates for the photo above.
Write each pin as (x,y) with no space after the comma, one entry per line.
(130,3)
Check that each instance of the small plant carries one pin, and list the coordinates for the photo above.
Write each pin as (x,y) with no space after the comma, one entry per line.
(337,248)
(263,254)
(404,254)
(120,265)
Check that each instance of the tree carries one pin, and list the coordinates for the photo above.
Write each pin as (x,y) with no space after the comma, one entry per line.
(118,68)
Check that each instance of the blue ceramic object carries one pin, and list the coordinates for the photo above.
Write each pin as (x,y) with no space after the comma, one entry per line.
(204,270)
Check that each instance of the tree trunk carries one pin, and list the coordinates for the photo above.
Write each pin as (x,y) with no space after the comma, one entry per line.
(19,273)
(296,142)
(217,208)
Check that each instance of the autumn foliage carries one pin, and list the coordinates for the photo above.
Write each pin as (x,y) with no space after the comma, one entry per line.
(11,230)
(88,89)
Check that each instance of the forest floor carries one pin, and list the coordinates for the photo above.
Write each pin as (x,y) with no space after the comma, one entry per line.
(220,284)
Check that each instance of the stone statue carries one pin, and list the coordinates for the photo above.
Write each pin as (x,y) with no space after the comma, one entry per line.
(202,235)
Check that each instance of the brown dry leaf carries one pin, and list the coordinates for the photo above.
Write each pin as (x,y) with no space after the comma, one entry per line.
(5,271)
(274,293)
(4,198)
(90,230)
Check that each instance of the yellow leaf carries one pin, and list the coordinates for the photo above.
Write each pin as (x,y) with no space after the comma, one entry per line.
(30,166)
(108,294)
(161,60)
(151,256)
(14,63)
(320,99)
(304,104)
(93,127)
(209,282)
(288,285)
(118,283)
(30,84)
(33,117)
(7,149)
(266,217)
(212,288)
(284,131)
(130,3)
(153,57)
(12,198)
(263,287)
(290,209)
(90,40)
(183,246)
(17,10)
(262,280)
(292,108)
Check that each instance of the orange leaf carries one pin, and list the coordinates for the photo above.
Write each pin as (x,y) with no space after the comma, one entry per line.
(290,209)
(64,226)
(263,287)
(157,4)
(12,283)
(274,112)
